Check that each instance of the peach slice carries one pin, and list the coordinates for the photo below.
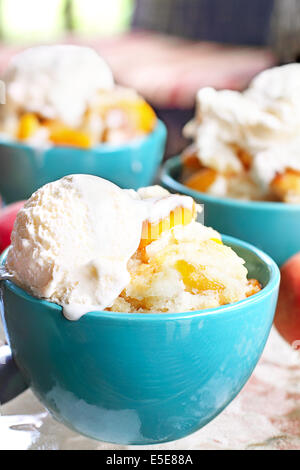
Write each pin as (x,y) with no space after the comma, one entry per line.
(254,287)
(28,125)
(194,279)
(152,231)
(190,159)
(138,113)
(144,115)
(244,156)
(196,282)
(217,240)
(63,135)
(201,180)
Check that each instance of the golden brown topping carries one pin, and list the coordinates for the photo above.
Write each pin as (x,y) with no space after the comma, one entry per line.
(286,185)
(254,287)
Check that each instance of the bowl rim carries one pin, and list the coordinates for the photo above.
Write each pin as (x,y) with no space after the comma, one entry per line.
(271,285)
(160,128)
(168,181)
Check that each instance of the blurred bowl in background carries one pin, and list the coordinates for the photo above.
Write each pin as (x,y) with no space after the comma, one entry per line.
(132,165)
(274,227)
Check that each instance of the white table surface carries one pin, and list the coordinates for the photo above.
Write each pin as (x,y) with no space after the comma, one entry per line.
(265,415)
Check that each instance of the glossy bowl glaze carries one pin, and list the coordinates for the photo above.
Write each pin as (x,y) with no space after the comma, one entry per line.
(274,227)
(141,378)
(132,165)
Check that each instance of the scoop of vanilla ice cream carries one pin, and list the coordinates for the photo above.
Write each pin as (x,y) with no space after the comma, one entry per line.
(75,242)
(277,92)
(56,82)
(72,240)
(226,119)
(264,116)
(275,160)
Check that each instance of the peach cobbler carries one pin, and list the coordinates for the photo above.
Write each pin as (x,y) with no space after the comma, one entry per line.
(181,265)
(247,145)
(66,95)
(86,244)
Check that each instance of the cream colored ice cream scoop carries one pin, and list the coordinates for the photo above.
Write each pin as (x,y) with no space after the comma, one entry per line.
(263,118)
(73,238)
(56,82)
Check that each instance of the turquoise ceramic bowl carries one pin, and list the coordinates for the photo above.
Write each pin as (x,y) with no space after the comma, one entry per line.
(274,227)
(132,165)
(141,378)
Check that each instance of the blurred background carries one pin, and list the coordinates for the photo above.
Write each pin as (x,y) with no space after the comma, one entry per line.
(166,49)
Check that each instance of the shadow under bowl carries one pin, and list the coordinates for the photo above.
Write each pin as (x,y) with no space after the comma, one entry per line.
(25,168)
(274,227)
(141,378)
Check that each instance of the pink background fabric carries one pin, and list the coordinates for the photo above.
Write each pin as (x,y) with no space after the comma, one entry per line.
(168,71)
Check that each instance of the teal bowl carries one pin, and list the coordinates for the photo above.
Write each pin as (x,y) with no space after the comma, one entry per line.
(141,378)
(132,165)
(274,227)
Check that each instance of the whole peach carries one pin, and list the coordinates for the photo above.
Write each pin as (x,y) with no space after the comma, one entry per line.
(287,316)
(7,219)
